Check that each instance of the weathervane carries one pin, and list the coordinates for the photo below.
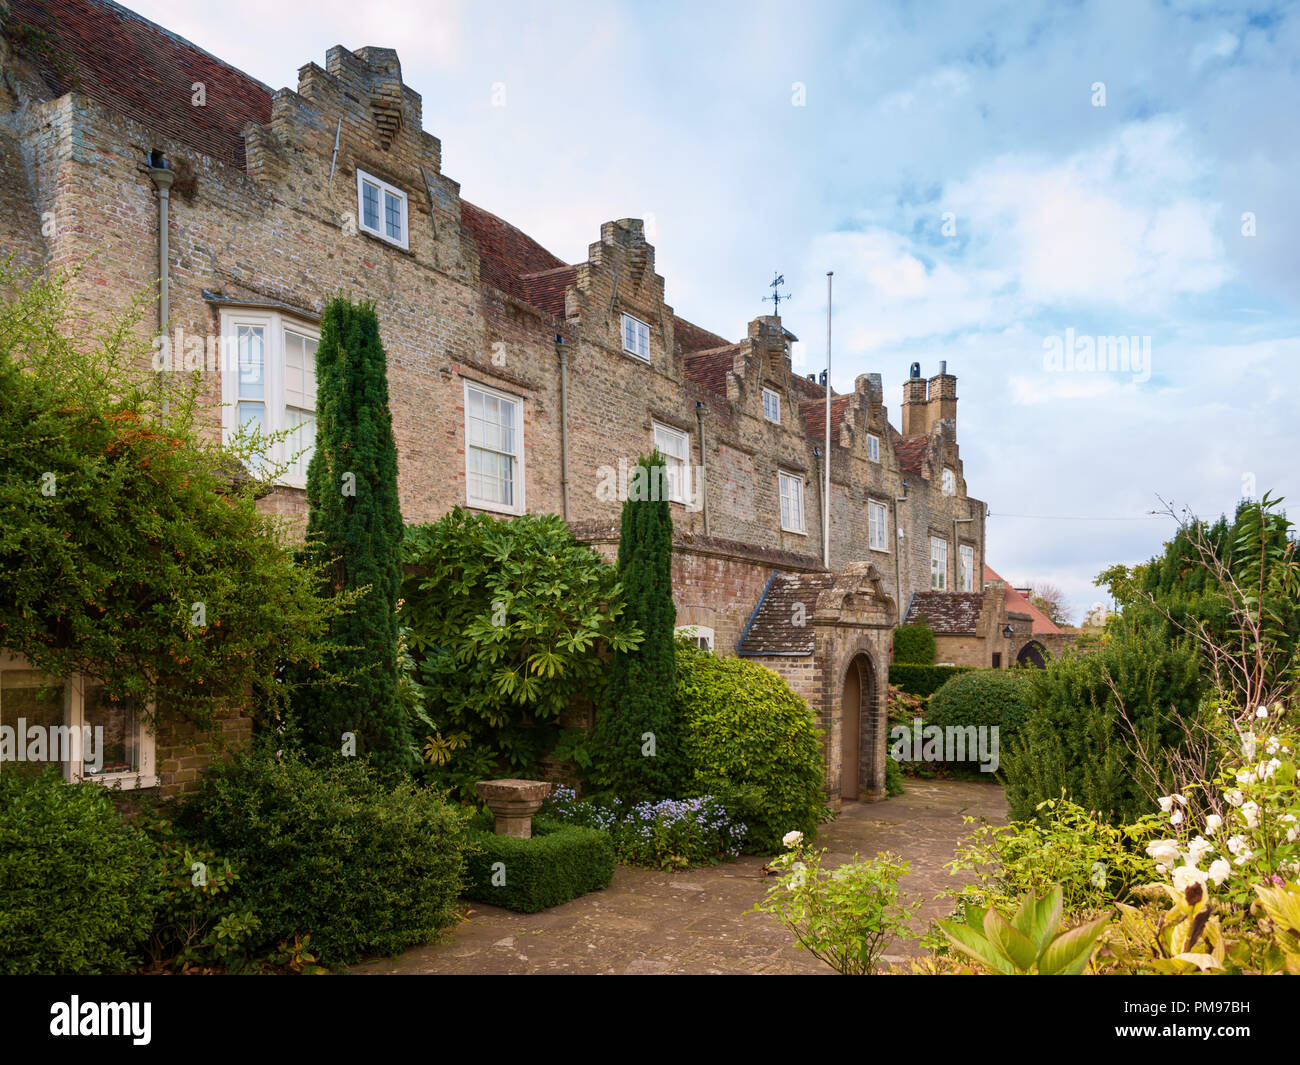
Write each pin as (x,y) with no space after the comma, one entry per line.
(776,297)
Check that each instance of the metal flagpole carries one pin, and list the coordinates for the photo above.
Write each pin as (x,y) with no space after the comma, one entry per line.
(826,489)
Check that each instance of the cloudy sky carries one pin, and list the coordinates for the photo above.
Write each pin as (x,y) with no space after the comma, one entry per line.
(995,185)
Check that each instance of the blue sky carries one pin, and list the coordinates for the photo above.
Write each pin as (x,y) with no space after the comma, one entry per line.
(950,162)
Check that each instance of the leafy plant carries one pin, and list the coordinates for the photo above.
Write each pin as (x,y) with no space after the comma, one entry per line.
(1031,943)
(559,863)
(507,623)
(989,698)
(845,916)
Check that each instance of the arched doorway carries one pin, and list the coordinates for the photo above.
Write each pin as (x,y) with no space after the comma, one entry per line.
(857,704)
(1033,654)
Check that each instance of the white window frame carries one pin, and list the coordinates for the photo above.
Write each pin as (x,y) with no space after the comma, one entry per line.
(965,568)
(381,231)
(641,336)
(873,447)
(877,525)
(772,409)
(74,692)
(949,481)
(782,480)
(938,564)
(700,635)
(275,399)
(518,455)
(678,464)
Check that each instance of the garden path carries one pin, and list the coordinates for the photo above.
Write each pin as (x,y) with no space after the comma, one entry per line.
(695,921)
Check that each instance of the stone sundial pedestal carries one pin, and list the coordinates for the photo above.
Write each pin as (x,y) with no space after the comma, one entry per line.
(513,803)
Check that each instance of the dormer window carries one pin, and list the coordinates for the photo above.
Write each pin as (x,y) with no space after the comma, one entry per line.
(772,405)
(381,209)
(949,482)
(636,337)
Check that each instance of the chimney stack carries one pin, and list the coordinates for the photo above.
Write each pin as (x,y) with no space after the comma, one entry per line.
(941,406)
(915,407)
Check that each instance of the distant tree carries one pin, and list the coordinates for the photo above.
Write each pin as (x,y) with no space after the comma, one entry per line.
(355,524)
(1051,601)
(636,742)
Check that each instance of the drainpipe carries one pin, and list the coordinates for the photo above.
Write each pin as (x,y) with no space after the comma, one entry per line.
(704,481)
(162,178)
(564,424)
(898,552)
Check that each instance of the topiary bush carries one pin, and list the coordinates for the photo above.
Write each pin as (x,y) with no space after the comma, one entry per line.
(914,644)
(995,698)
(745,731)
(77,884)
(332,851)
(559,863)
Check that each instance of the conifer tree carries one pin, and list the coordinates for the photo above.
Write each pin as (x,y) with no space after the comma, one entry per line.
(354,518)
(636,740)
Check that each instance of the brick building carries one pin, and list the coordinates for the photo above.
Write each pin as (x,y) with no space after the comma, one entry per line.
(518,381)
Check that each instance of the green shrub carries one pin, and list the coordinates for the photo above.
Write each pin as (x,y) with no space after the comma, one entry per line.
(914,644)
(559,863)
(76,883)
(1077,740)
(922,680)
(986,697)
(743,726)
(893,778)
(333,852)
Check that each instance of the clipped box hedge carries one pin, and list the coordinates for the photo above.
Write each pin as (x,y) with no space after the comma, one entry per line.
(559,863)
(922,680)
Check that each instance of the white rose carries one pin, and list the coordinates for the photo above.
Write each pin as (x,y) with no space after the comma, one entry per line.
(1213,823)
(1219,871)
(791,839)
(1187,875)
(1292,834)
(1251,813)
(1198,849)
(1236,844)
(1165,801)
(1164,851)
(1262,712)
(1176,818)
(1234,797)
(1245,776)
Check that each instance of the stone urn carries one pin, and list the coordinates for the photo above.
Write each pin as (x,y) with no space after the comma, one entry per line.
(513,803)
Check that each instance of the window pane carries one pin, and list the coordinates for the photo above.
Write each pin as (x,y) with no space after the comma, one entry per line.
(252,362)
(21,698)
(369,205)
(253,415)
(302,437)
(393,215)
(114,743)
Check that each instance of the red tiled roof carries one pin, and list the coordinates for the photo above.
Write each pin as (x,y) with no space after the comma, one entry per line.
(947,613)
(814,415)
(691,338)
(911,452)
(710,368)
(505,253)
(772,630)
(545,290)
(1017,603)
(138,69)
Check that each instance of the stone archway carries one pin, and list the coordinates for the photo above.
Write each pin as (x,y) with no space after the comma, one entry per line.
(1033,655)
(858,728)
